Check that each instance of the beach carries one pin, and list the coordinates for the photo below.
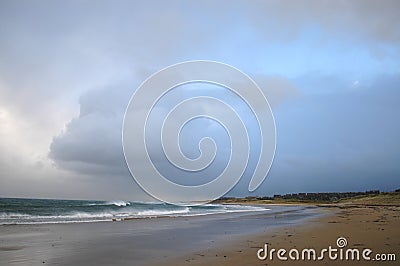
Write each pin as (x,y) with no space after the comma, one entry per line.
(375,227)
(217,239)
(137,241)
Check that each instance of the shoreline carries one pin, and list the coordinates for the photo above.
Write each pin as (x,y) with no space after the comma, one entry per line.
(135,242)
(375,227)
(216,239)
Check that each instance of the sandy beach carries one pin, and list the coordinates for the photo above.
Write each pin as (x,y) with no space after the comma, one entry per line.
(227,239)
(137,241)
(363,226)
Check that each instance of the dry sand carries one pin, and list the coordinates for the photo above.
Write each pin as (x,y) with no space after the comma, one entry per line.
(364,226)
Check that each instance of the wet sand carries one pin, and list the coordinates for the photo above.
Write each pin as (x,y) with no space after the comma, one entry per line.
(140,241)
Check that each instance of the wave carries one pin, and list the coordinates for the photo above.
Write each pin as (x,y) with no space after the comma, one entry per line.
(152,213)
(57,211)
(13,215)
(119,203)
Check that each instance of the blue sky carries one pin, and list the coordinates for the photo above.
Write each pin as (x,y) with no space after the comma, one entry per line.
(330,70)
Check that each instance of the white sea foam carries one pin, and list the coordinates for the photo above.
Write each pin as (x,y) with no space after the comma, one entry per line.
(119,203)
(104,211)
(163,212)
(13,215)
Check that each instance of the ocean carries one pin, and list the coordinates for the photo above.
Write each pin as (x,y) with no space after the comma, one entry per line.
(50,211)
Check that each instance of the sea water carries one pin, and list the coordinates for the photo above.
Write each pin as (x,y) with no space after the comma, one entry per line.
(42,211)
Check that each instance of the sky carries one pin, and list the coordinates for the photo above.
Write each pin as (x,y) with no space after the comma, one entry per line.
(330,71)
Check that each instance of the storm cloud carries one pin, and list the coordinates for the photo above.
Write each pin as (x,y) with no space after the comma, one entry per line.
(330,70)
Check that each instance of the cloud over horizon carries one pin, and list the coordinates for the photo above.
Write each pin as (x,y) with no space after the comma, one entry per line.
(329,69)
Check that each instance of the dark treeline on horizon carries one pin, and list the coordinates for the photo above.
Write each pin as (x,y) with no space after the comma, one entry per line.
(315,196)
